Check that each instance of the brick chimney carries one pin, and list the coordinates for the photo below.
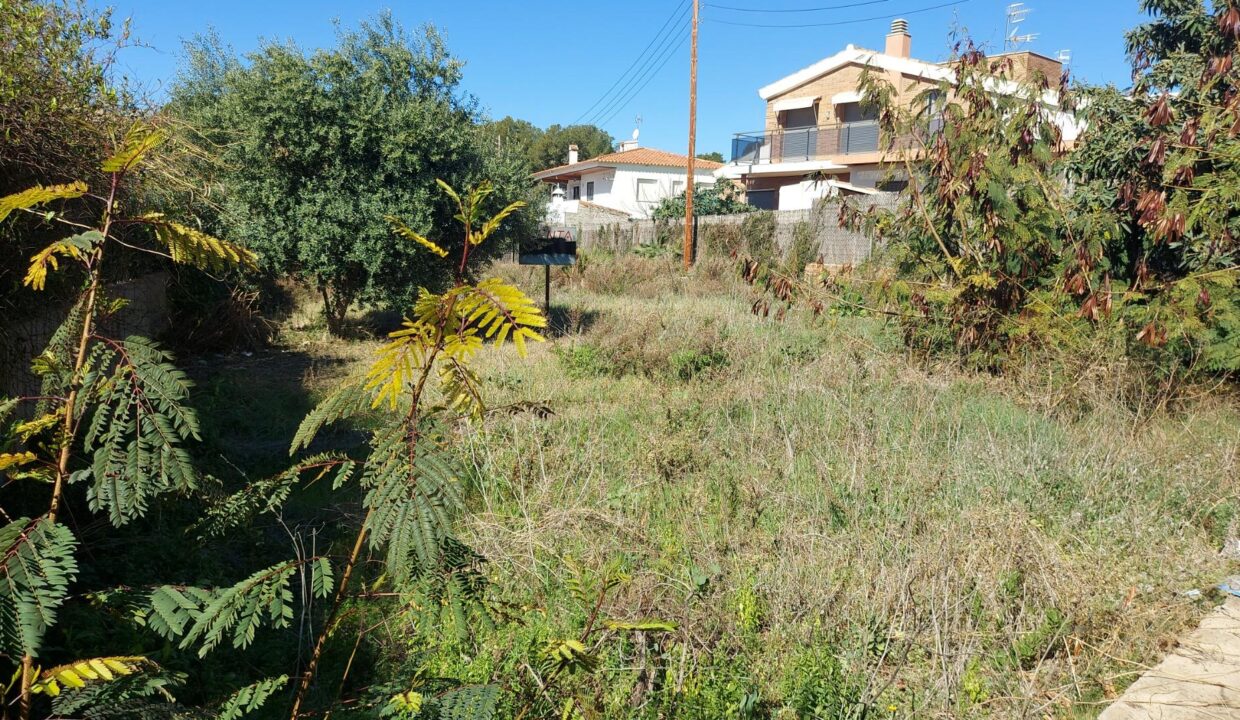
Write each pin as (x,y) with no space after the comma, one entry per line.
(899,42)
(573,155)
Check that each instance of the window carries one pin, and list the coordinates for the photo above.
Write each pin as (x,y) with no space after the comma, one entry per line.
(763,199)
(678,186)
(647,191)
(576,192)
(590,190)
(802,118)
(934,110)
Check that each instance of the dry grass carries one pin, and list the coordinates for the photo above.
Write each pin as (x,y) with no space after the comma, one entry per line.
(963,554)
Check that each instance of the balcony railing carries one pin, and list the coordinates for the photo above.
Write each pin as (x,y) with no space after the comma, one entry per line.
(811,143)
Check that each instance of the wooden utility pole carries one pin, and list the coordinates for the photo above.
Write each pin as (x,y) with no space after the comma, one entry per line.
(692,166)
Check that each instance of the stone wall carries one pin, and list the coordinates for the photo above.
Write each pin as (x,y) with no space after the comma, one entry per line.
(836,245)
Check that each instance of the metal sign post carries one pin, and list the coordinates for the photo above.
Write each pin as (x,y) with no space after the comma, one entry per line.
(547,252)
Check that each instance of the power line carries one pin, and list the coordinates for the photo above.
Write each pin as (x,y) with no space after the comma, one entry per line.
(842,22)
(640,55)
(650,79)
(801,10)
(651,64)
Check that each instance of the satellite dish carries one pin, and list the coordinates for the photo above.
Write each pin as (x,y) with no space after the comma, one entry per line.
(636,132)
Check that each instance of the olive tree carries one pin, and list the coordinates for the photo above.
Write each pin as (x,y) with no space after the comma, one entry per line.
(311,151)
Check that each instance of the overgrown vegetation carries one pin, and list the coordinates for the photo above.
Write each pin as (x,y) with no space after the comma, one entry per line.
(57,109)
(835,531)
(672,508)
(1015,247)
(112,423)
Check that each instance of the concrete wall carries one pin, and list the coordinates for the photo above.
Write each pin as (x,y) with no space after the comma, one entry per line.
(836,245)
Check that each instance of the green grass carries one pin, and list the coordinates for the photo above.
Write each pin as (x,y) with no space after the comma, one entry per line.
(836,531)
(925,540)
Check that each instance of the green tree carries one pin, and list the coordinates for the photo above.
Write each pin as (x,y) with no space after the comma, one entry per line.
(511,135)
(412,489)
(57,107)
(715,156)
(722,198)
(1159,160)
(316,149)
(551,148)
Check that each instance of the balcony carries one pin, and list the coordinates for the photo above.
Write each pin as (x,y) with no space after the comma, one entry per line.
(821,142)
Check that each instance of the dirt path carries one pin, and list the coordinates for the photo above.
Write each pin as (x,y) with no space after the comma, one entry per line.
(1199,681)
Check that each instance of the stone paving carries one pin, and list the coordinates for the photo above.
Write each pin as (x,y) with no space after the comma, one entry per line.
(1199,681)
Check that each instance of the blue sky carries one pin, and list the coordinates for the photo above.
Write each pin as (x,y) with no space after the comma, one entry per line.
(549,62)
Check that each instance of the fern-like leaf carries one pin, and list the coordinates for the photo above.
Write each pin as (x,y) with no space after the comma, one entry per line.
(139,141)
(190,246)
(77,674)
(36,568)
(461,388)
(660,626)
(75,248)
(409,233)
(38,195)
(502,311)
(321,578)
(411,503)
(269,494)
(170,610)
(571,656)
(15,460)
(141,695)
(233,613)
(55,364)
(346,401)
(490,226)
(475,702)
(400,362)
(250,698)
(136,431)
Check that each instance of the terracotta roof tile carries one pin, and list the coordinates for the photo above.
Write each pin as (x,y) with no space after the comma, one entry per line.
(639,156)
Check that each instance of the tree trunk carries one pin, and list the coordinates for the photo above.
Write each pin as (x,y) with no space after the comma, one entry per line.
(335,307)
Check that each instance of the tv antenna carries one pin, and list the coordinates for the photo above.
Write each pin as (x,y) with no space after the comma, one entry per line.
(1017,13)
(1064,57)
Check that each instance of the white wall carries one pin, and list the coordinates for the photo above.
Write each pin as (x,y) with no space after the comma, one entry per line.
(622,191)
(801,196)
(616,188)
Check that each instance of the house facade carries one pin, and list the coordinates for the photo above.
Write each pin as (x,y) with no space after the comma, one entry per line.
(631,182)
(819,140)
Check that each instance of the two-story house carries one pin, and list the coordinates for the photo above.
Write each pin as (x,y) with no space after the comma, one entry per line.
(631,182)
(820,140)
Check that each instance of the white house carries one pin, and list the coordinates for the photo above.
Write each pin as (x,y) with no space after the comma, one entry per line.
(632,181)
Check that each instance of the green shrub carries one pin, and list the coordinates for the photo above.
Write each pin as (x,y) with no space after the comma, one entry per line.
(804,248)
(722,240)
(690,363)
(583,360)
(1032,647)
(820,686)
(758,232)
(722,198)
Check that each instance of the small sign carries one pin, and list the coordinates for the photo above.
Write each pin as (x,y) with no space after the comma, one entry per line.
(548,251)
